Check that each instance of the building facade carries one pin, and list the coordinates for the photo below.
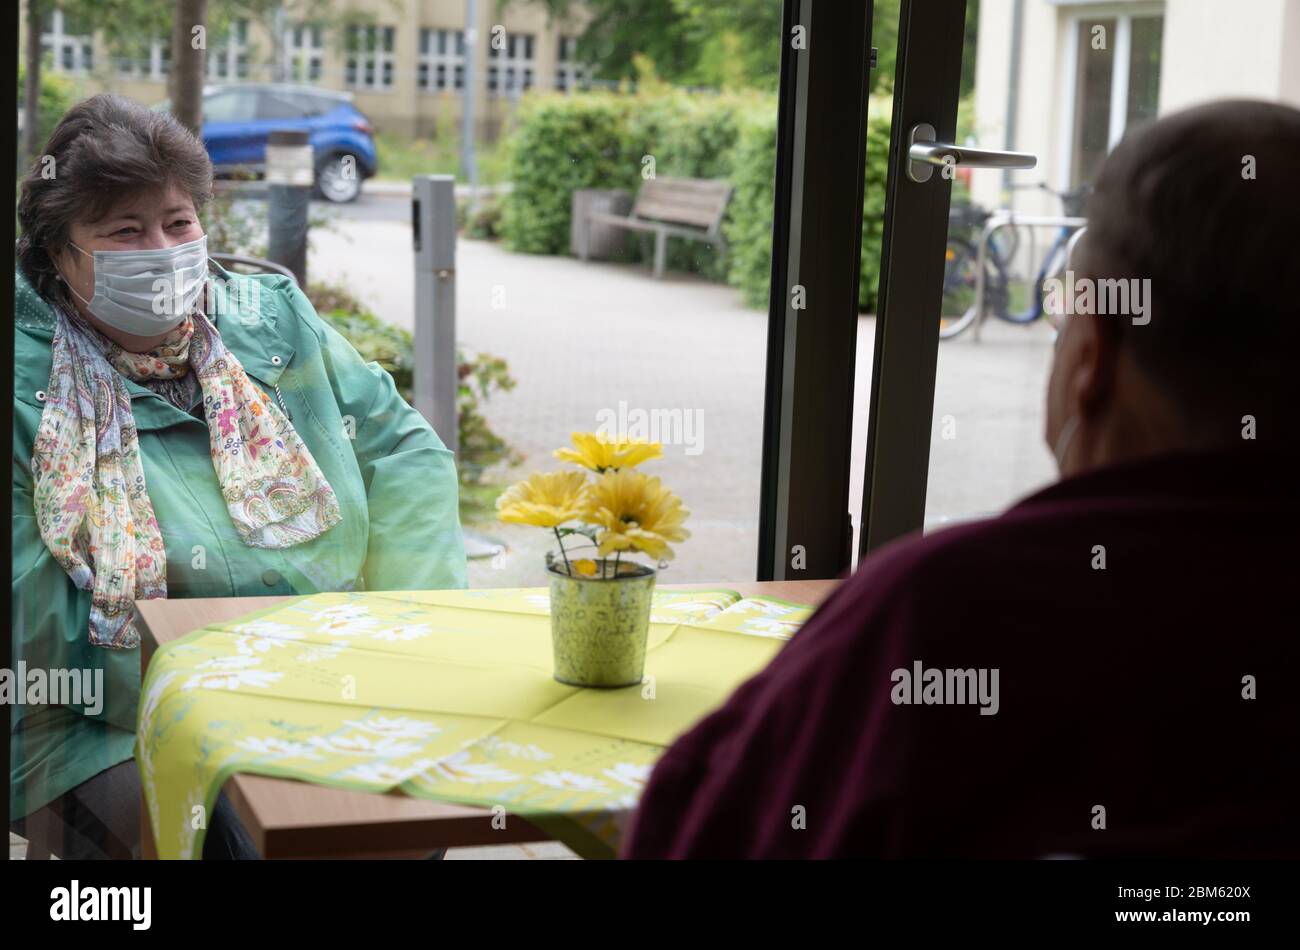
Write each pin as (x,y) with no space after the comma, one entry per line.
(1085,71)
(403,60)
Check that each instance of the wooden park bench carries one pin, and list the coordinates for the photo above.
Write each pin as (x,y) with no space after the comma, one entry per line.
(691,208)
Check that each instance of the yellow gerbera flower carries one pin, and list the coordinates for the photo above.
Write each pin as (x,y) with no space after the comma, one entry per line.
(598,453)
(635,510)
(544,499)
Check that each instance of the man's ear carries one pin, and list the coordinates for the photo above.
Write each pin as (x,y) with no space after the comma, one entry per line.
(1093,382)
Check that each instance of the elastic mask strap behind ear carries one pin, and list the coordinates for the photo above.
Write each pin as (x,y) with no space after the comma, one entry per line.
(66,283)
(72,290)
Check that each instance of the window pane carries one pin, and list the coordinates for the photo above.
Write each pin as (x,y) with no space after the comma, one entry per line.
(1092,104)
(276,106)
(232,106)
(1144,68)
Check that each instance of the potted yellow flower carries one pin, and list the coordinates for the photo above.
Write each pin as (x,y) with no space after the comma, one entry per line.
(600,608)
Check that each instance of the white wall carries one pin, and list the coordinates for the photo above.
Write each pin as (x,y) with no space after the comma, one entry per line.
(1037,113)
(1215,50)
(1289,84)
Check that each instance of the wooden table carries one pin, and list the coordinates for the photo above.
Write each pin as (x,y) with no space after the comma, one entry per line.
(291,819)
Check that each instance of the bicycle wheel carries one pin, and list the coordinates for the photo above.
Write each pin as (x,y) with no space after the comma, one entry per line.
(1005,242)
(958,308)
(1054,267)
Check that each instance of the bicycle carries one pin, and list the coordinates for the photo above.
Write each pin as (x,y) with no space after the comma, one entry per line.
(960,275)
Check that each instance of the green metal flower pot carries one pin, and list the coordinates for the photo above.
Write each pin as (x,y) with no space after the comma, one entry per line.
(599,626)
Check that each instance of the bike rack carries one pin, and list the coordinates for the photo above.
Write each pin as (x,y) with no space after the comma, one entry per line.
(1005,219)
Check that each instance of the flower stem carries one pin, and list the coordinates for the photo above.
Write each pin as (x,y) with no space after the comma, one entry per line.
(560,542)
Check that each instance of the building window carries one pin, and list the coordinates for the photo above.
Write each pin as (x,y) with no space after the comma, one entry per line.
(72,50)
(228,56)
(370,57)
(304,52)
(569,73)
(442,60)
(152,60)
(510,70)
(1116,83)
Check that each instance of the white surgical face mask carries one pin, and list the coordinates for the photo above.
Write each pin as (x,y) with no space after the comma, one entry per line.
(146,293)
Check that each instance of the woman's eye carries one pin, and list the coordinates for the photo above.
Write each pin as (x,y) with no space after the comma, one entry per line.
(182,223)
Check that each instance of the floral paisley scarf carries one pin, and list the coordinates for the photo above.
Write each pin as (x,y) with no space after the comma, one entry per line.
(91,501)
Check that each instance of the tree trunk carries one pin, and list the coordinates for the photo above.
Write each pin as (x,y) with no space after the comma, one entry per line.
(189,63)
(32,82)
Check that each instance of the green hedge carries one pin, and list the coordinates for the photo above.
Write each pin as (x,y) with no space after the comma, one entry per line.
(873,206)
(749,228)
(57,96)
(598,140)
(559,146)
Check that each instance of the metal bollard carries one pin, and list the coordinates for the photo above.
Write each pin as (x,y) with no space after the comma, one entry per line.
(289,177)
(433,225)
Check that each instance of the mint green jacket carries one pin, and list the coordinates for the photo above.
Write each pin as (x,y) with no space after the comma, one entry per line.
(394,479)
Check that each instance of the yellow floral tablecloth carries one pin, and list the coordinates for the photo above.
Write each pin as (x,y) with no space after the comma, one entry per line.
(445,695)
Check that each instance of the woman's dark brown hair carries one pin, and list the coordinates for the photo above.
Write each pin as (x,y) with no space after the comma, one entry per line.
(104,150)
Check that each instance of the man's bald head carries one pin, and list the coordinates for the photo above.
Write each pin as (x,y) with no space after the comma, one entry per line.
(1204,205)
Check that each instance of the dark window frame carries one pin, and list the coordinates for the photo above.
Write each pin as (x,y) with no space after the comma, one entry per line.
(901,409)
(10,139)
(816,238)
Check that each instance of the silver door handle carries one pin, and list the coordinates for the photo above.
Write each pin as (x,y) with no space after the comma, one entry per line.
(923,153)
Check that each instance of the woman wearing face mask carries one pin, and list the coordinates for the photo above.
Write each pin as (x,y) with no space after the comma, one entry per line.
(179,431)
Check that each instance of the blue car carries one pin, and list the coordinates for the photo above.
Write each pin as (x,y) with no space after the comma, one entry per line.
(238,118)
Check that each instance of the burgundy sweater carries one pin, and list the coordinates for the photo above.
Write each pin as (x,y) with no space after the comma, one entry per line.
(1119,701)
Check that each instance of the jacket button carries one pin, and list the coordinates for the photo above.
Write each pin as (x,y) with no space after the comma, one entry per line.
(275,361)
(40,395)
(270,577)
